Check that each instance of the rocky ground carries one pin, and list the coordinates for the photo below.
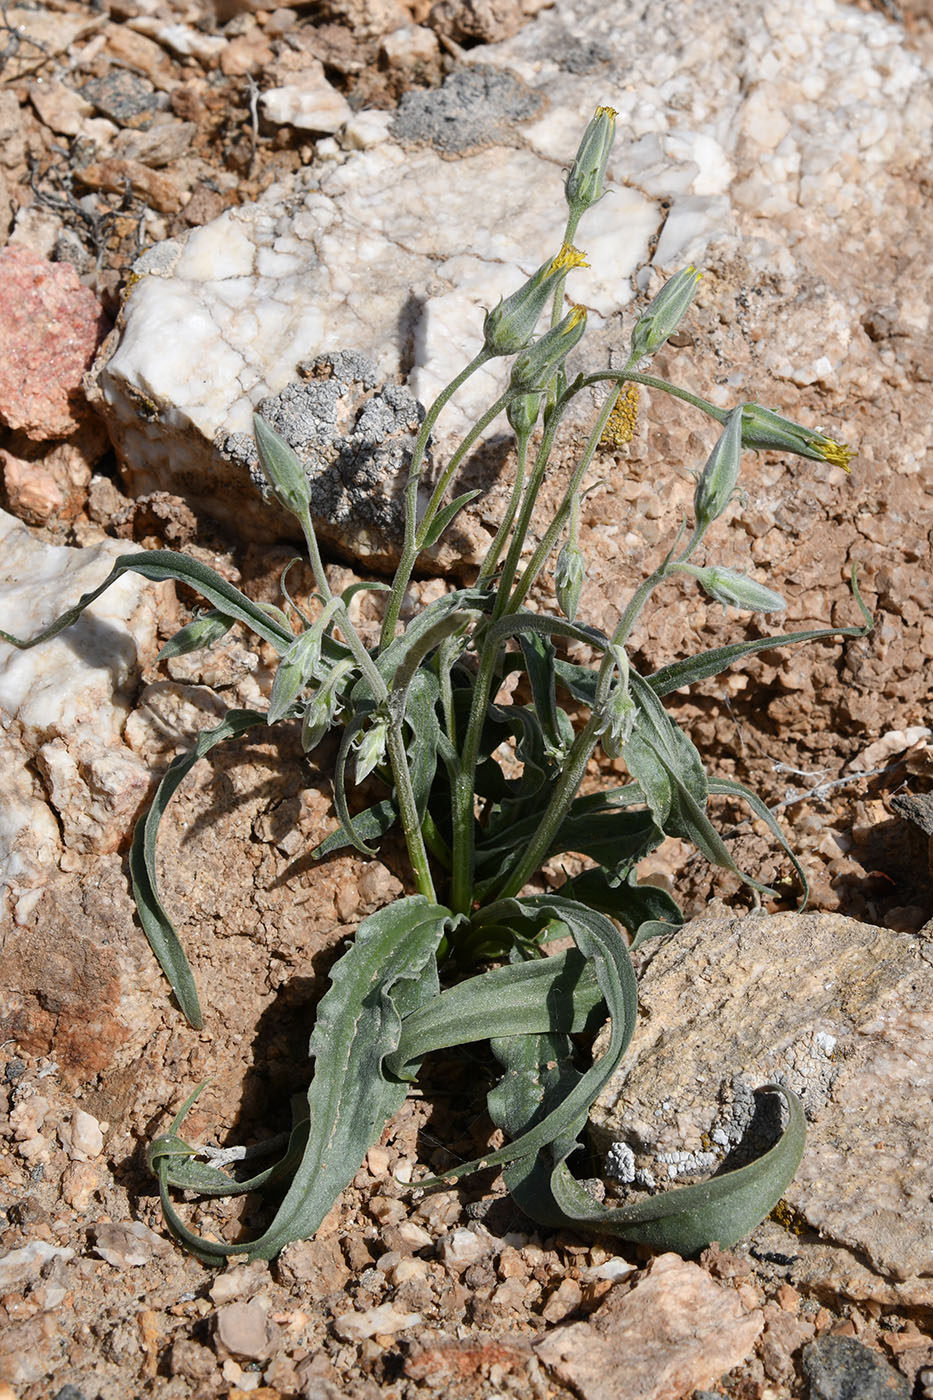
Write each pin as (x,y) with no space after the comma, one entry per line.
(131,121)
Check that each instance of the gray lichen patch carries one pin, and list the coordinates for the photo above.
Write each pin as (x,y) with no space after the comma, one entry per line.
(837,1010)
(354,438)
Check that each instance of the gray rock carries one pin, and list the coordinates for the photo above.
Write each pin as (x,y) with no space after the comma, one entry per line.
(353,439)
(840,1368)
(838,1010)
(474,106)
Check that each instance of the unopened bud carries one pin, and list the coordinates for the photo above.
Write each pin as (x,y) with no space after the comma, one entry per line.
(664,314)
(202,632)
(295,670)
(584,185)
(762,430)
(370,750)
(324,705)
(569,573)
(534,367)
(718,479)
(509,326)
(522,413)
(620,712)
(735,590)
(282,469)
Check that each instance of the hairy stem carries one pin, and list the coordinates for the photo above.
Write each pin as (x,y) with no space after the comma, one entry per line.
(409,548)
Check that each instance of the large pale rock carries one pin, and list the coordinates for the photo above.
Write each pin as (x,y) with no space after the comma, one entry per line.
(70,783)
(840,1011)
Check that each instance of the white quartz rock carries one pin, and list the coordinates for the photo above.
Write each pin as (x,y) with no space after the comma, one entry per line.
(63,705)
(310,103)
(216,324)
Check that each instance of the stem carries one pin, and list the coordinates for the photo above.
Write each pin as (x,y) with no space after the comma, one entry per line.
(488,567)
(409,551)
(553,531)
(521,529)
(461,889)
(650,382)
(361,656)
(314,554)
(440,489)
(570,231)
(565,790)
(408,811)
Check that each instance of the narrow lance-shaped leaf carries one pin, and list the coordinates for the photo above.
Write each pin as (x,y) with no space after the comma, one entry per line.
(686,1220)
(161,566)
(599,941)
(559,992)
(386,974)
(156,923)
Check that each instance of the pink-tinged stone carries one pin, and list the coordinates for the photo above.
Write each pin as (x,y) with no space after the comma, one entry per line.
(50,328)
(675,1332)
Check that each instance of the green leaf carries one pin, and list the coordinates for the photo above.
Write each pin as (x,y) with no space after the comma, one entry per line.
(728,787)
(445,516)
(160,566)
(598,941)
(667,767)
(200,633)
(347,823)
(711,663)
(387,973)
(424,632)
(620,896)
(156,923)
(661,758)
(421,719)
(173,1156)
(294,671)
(539,657)
(723,1209)
(368,825)
(559,992)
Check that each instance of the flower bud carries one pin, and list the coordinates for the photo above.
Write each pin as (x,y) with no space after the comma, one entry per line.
(584,184)
(735,590)
(620,712)
(533,368)
(762,429)
(522,413)
(718,479)
(295,670)
(322,708)
(202,632)
(664,314)
(282,469)
(569,573)
(370,750)
(509,326)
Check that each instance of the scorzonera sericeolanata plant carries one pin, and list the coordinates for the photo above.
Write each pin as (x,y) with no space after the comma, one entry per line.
(464,956)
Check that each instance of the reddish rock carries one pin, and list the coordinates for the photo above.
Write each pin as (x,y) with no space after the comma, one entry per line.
(50,327)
